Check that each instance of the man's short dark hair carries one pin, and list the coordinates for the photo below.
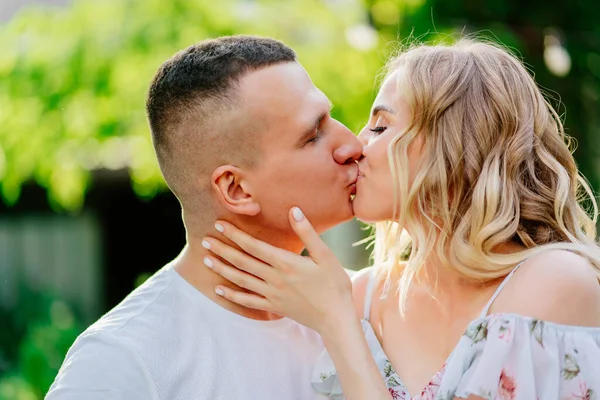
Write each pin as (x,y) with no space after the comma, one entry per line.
(206,71)
(192,87)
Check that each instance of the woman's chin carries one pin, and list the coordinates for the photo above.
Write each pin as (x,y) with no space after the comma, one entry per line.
(367,212)
(363,214)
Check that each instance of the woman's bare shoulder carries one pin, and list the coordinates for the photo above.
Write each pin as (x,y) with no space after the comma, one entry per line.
(557,286)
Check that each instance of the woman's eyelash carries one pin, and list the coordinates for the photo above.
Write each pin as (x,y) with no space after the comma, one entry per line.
(378,129)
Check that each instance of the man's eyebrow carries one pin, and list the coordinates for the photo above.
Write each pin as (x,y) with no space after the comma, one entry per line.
(380,108)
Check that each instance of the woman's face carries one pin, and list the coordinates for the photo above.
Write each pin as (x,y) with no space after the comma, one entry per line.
(390,115)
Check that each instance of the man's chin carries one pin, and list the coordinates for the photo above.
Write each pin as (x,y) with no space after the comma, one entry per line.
(322,228)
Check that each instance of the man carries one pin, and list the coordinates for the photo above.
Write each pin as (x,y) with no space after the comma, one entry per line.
(242,134)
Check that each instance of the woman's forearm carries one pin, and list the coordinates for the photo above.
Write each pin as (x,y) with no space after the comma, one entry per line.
(356,368)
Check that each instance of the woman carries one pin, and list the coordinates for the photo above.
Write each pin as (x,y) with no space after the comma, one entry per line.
(485,277)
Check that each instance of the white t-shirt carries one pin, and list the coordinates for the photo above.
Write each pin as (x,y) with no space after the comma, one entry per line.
(166,340)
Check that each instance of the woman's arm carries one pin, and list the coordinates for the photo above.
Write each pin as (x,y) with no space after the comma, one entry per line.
(314,290)
(354,363)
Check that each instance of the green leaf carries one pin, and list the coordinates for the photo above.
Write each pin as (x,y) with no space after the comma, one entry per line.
(571,368)
(393,382)
(388,369)
(536,328)
(477,332)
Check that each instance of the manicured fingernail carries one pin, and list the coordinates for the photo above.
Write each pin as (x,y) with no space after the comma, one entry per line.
(220,228)
(205,244)
(219,291)
(297,213)
(208,262)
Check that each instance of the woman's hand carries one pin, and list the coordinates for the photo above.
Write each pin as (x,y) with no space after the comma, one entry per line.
(316,291)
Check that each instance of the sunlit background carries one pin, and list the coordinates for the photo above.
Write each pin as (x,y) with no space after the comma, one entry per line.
(84,214)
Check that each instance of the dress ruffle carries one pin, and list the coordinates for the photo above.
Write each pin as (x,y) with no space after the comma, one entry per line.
(507,356)
(500,357)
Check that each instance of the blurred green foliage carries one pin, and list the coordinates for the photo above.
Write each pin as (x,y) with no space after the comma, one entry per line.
(35,335)
(73,81)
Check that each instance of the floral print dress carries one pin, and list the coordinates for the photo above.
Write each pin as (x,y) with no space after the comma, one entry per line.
(499,357)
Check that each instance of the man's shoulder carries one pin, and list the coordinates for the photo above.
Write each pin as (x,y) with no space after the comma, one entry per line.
(100,365)
(145,302)
(159,315)
(122,345)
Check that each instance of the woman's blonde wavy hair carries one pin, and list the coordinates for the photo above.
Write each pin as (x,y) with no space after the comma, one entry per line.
(496,167)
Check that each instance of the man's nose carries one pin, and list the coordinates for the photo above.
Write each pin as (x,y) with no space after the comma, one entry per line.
(349,150)
(363,139)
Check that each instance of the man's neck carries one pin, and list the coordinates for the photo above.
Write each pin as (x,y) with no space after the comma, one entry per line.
(190,265)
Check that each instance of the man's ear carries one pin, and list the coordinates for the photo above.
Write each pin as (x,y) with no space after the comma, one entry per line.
(233,190)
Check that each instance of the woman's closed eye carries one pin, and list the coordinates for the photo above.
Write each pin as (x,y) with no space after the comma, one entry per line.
(381,124)
(378,129)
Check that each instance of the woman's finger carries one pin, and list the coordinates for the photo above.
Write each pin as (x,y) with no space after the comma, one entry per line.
(315,246)
(238,258)
(237,277)
(257,248)
(248,300)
